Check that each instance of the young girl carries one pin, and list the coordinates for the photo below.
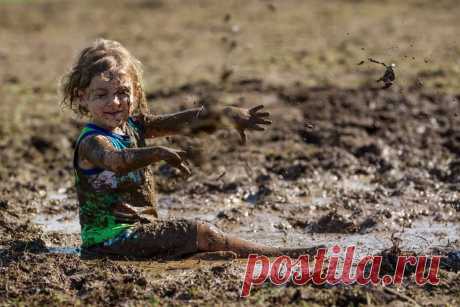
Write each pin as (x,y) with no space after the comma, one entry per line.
(114,183)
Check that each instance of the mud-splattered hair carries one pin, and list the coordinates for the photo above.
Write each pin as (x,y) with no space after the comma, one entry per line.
(101,56)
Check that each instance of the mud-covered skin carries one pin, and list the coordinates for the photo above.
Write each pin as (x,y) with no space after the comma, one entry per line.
(217,116)
(211,239)
(170,124)
(109,99)
(111,200)
(163,239)
(108,164)
(100,152)
(251,120)
(171,239)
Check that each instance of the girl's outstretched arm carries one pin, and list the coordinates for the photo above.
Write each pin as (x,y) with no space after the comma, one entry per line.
(218,117)
(99,152)
(171,124)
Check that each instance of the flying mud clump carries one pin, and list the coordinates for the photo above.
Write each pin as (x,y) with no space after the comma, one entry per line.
(388,76)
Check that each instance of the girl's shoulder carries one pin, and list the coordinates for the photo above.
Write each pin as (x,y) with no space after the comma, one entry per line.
(133,132)
(134,123)
(93,139)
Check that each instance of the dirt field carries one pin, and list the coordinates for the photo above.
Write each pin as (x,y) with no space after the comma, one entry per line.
(375,164)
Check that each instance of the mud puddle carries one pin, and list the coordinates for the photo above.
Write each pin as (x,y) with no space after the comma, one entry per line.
(266,217)
(59,215)
(272,228)
(63,223)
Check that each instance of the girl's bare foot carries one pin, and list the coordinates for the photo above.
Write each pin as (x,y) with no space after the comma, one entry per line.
(210,239)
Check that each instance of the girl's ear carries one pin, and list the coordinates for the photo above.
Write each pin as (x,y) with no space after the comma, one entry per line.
(81,94)
(82,98)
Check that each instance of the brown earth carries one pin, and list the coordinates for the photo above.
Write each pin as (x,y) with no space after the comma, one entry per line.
(371,165)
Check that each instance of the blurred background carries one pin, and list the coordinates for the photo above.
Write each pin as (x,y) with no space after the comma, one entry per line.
(310,41)
(313,42)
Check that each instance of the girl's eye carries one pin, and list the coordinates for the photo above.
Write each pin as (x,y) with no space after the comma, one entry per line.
(100,95)
(124,94)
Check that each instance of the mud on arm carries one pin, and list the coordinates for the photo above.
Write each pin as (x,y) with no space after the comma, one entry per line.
(216,118)
(100,152)
(181,122)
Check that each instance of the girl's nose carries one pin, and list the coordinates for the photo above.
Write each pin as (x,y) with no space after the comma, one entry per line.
(115,100)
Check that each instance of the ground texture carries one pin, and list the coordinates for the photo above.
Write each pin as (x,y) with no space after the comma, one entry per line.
(376,168)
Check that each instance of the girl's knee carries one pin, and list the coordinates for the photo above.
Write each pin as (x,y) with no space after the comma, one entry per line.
(209,237)
(208,228)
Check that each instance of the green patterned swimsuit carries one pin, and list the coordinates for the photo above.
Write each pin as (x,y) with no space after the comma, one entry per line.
(98,189)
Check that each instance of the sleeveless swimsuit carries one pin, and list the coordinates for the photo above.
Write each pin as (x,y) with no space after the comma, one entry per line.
(98,190)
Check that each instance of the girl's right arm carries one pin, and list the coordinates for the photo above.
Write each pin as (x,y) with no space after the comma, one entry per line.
(217,117)
(100,152)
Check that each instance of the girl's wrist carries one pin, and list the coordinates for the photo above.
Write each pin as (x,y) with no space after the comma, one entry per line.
(159,152)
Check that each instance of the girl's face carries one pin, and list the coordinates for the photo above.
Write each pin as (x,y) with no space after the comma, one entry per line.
(109,99)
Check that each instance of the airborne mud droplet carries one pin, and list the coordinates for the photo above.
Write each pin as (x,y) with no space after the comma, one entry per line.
(389,75)
(309,125)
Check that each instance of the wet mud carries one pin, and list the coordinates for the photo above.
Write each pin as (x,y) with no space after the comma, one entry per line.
(342,164)
(363,176)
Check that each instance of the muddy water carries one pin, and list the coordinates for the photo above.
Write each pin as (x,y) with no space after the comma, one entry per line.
(268,227)
(363,175)
(63,223)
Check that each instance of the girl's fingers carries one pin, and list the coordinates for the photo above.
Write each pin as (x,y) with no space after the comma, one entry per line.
(181,153)
(179,157)
(243,137)
(256,108)
(263,114)
(184,169)
(127,221)
(261,121)
(257,128)
(125,218)
(122,214)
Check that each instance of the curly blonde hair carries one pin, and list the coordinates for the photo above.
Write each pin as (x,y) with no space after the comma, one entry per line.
(101,56)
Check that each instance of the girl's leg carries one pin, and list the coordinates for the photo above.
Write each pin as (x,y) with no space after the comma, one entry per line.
(210,239)
(163,239)
(177,238)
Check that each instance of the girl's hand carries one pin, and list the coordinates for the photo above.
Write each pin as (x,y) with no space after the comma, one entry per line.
(124,213)
(175,158)
(248,119)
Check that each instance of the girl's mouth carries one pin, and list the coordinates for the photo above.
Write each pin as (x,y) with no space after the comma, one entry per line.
(113,113)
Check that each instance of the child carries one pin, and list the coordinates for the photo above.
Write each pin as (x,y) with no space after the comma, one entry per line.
(115,186)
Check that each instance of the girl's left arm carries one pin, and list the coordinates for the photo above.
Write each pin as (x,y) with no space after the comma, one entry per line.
(192,119)
(171,124)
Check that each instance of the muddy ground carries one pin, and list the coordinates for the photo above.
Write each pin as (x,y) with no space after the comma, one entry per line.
(372,164)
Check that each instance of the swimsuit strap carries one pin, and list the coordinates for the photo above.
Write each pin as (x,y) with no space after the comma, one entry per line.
(118,141)
(91,171)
